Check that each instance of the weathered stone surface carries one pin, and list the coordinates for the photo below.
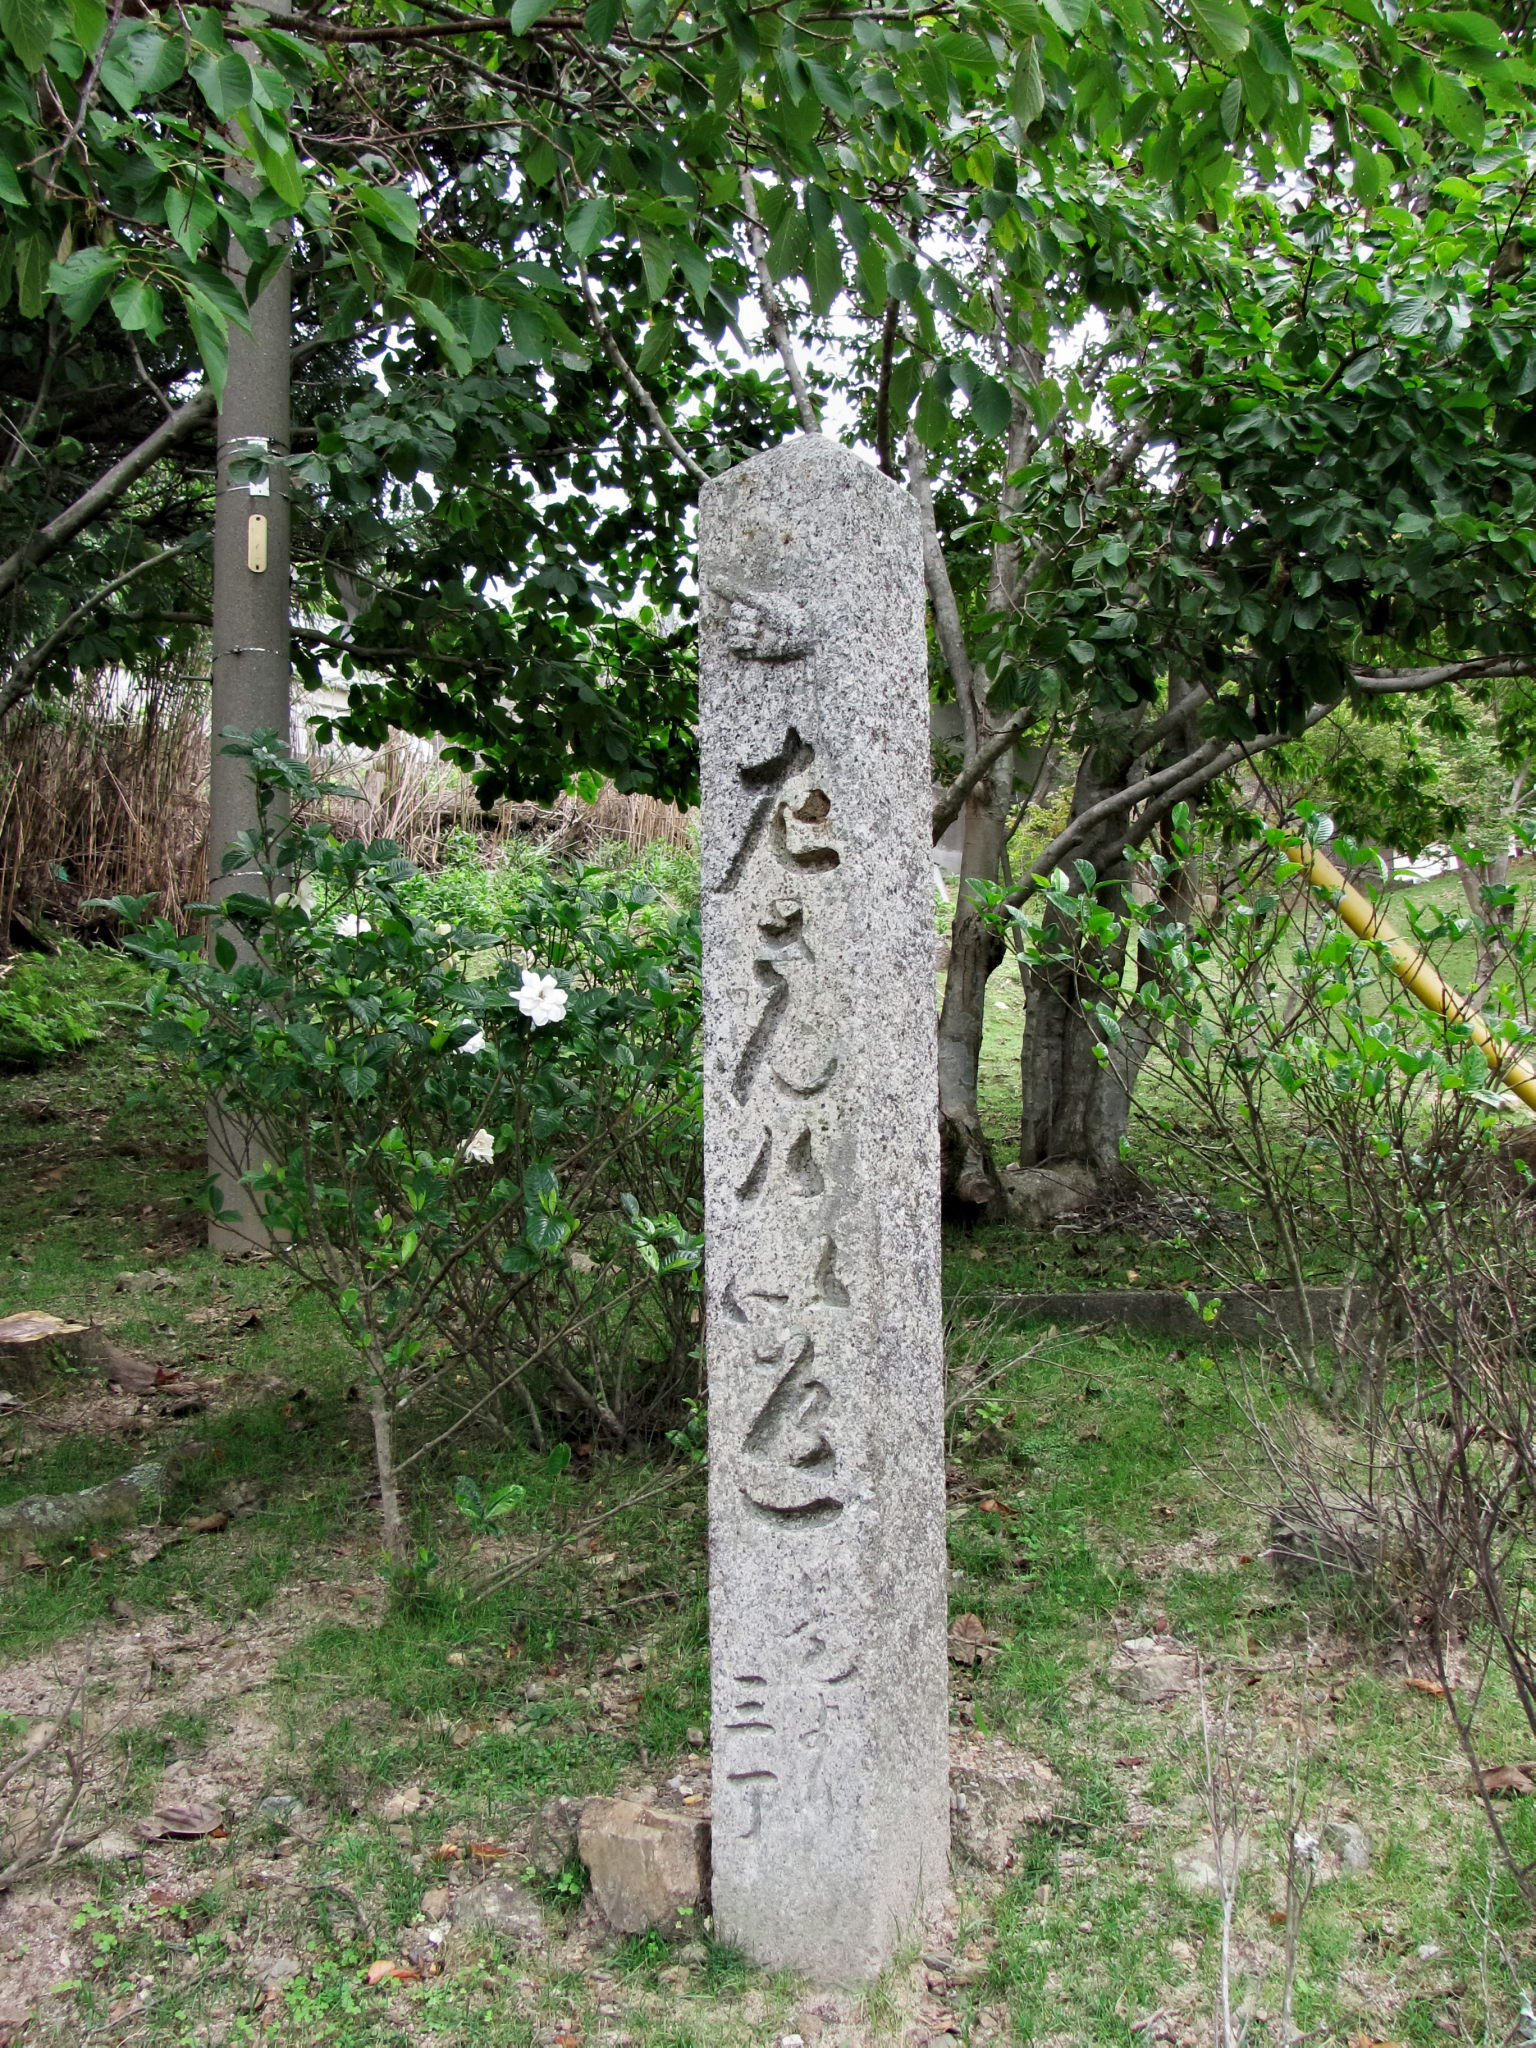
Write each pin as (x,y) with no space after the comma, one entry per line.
(500,1907)
(1037,1195)
(1148,1669)
(649,1868)
(1197,1868)
(113,1845)
(1350,1843)
(994,1794)
(552,1840)
(821,1197)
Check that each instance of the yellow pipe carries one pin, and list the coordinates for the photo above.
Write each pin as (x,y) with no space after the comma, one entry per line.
(1368,921)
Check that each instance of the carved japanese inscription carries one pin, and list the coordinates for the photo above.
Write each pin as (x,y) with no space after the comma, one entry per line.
(826,1470)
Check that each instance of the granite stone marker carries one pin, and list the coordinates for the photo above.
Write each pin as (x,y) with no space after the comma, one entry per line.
(831,1802)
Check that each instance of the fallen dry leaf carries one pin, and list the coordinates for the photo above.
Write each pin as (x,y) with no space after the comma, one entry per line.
(1432,1686)
(989,1506)
(377,1972)
(31,1562)
(445,1852)
(488,1851)
(187,1818)
(969,1642)
(206,1525)
(1508,1780)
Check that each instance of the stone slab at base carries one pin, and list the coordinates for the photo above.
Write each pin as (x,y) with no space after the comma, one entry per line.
(649,1868)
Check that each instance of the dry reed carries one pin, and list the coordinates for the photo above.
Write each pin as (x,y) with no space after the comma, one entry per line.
(105,793)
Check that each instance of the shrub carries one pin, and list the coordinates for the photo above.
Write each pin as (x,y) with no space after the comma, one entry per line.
(479,1143)
(52,1005)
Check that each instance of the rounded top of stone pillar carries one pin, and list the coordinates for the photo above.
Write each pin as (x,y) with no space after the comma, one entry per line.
(809,453)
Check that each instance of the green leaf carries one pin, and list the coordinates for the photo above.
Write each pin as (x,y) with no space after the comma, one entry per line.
(140,62)
(90,23)
(1223,24)
(210,331)
(658,263)
(224,953)
(437,322)
(392,208)
(991,406)
(1462,25)
(660,340)
(829,87)
(1026,98)
(1455,106)
(602,18)
(83,281)
(1361,370)
(1070,16)
(138,307)
(10,184)
(527,14)
(224,81)
(28,27)
(589,222)
(1410,315)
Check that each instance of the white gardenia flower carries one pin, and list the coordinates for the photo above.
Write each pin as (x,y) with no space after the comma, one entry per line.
(351,926)
(475,1044)
(541,998)
(481,1148)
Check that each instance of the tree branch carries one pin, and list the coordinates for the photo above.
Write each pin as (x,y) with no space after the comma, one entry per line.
(21,678)
(632,382)
(1114,472)
(1168,787)
(952,802)
(883,447)
(108,488)
(941,594)
(773,310)
(1382,682)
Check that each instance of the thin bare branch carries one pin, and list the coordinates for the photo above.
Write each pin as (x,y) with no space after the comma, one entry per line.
(632,382)
(773,310)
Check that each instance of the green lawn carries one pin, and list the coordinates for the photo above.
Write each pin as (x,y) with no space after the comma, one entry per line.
(1100,1489)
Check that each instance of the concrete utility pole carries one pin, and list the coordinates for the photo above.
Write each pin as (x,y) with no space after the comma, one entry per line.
(251,669)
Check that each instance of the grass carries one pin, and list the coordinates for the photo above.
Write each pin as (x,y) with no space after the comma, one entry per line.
(1101,1489)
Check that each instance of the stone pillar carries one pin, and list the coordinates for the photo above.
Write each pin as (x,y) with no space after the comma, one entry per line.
(827,1595)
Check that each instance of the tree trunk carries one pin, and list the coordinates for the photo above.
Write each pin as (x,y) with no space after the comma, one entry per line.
(968,1174)
(391,1520)
(1075,1083)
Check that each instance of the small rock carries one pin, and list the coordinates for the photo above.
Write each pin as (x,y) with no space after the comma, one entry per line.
(649,1868)
(113,1845)
(692,1952)
(552,1840)
(281,1808)
(500,1907)
(145,1283)
(1146,1669)
(1195,1868)
(271,1971)
(629,1660)
(1350,1843)
(1037,1195)
(696,1738)
(994,1795)
(437,1904)
(402,1804)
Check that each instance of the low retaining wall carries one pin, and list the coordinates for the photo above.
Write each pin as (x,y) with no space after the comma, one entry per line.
(1166,1312)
